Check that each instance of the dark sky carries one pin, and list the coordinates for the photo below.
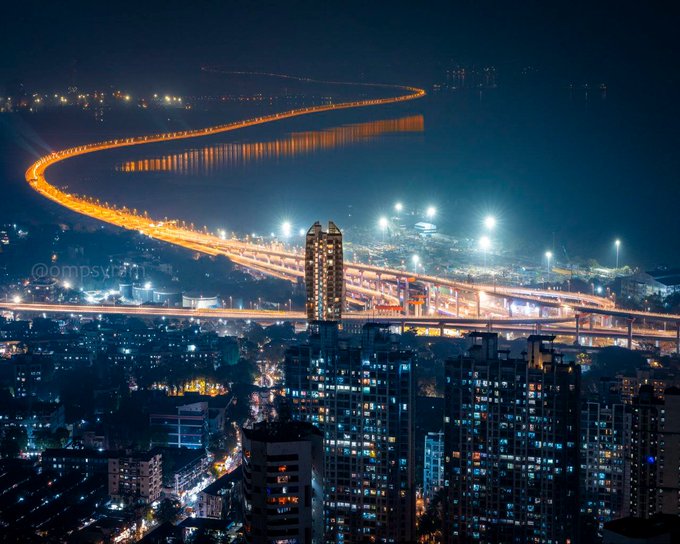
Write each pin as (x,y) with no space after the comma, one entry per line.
(45,41)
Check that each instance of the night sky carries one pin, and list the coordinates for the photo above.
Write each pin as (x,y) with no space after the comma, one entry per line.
(615,41)
(632,46)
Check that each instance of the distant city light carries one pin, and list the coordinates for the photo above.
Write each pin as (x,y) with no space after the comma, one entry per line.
(67,285)
(286,229)
(16,299)
(147,285)
(484,243)
(416,262)
(301,232)
(382,222)
(431,212)
(398,207)
(490,222)
(548,255)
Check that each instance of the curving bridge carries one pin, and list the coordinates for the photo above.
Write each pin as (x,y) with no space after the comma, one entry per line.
(440,301)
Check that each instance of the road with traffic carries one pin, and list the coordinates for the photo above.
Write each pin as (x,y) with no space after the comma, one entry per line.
(366,285)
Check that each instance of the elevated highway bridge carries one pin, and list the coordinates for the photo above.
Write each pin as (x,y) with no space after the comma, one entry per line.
(446,300)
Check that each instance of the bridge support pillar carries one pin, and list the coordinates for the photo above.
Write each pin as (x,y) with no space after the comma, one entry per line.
(458,305)
(677,338)
(630,332)
(407,296)
(578,330)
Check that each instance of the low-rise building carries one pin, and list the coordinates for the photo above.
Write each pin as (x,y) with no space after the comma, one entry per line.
(136,477)
(34,416)
(86,462)
(222,498)
(660,282)
(182,425)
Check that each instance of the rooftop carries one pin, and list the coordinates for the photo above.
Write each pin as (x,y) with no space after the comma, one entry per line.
(657,525)
(281,431)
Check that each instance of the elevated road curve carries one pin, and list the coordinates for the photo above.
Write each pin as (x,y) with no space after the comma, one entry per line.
(363,281)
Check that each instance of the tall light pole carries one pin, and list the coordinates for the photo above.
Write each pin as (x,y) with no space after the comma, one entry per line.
(485,245)
(618,246)
(416,261)
(548,257)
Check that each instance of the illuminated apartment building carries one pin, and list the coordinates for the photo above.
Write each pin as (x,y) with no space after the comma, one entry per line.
(283,483)
(605,464)
(655,453)
(324,280)
(511,431)
(433,465)
(362,398)
(136,477)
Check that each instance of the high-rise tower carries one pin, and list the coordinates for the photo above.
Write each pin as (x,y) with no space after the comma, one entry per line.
(360,394)
(283,483)
(324,279)
(511,440)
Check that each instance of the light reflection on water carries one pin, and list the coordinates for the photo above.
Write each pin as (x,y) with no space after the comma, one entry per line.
(208,160)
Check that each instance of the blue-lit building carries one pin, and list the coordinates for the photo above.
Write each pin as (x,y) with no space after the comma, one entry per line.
(605,462)
(511,437)
(655,453)
(181,425)
(433,464)
(360,394)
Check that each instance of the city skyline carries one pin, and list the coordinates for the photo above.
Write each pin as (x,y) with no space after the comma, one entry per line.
(344,273)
